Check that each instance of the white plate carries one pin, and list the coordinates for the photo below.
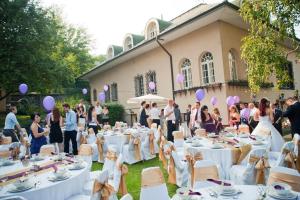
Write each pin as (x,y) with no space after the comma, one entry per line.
(14,189)
(36,159)
(290,196)
(257,143)
(243,136)
(72,167)
(229,193)
(217,147)
(196,145)
(54,179)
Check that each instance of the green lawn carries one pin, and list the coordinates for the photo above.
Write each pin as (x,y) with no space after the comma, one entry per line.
(133,178)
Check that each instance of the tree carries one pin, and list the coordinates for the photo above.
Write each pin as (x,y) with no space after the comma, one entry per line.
(39,49)
(271,26)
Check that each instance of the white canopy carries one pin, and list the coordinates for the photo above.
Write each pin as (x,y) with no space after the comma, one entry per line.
(148,97)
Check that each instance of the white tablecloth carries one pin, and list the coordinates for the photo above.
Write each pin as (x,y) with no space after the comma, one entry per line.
(248,192)
(48,190)
(222,157)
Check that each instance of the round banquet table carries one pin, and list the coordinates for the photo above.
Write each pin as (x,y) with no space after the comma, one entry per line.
(222,157)
(45,189)
(247,192)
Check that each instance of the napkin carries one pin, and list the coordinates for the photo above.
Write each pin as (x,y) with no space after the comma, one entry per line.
(278,187)
(218,182)
(252,138)
(192,193)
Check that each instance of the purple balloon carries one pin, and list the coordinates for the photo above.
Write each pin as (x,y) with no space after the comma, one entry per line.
(200,94)
(84,91)
(49,103)
(213,101)
(230,101)
(101,96)
(152,85)
(105,87)
(236,99)
(23,88)
(180,78)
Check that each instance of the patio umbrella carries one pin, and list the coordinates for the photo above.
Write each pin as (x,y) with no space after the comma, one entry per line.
(148,97)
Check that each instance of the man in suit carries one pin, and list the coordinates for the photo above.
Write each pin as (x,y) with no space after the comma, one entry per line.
(277,113)
(293,113)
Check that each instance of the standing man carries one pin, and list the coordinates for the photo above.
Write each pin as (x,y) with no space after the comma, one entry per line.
(188,115)
(98,110)
(71,129)
(195,118)
(143,114)
(177,116)
(277,113)
(10,123)
(170,117)
(293,113)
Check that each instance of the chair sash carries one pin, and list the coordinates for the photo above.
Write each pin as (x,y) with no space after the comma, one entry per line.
(204,173)
(5,154)
(171,166)
(15,153)
(123,187)
(200,132)
(47,150)
(298,156)
(293,181)
(191,160)
(178,135)
(111,155)
(261,164)
(244,129)
(149,122)
(137,148)
(5,140)
(153,177)
(100,143)
(289,158)
(153,125)
(104,189)
(85,150)
(151,142)
(239,154)
(83,139)
(161,154)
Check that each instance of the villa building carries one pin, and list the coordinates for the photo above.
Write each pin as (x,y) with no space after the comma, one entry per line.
(203,44)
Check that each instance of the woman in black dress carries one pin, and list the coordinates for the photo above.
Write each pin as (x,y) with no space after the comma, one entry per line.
(55,123)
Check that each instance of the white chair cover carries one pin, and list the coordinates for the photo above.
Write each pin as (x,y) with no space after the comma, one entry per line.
(117,173)
(245,174)
(153,185)
(178,139)
(288,146)
(47,149)
(14,198)
(102,178)
(146,146)
(205,164)
(129,149)
(127,197)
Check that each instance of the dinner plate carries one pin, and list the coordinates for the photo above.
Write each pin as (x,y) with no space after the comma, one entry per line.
(37,159)
(289,196)
(229,192)
(54,179)
(188,141)
(196,145)
(217,147)
(72,167)
(14,189)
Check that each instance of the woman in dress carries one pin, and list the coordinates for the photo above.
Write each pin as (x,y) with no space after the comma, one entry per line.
(265,123)
(234,116)
(37,133)
(207,121)
(105,115)
(55,123)
(143,115)
(218,119)
(92,119)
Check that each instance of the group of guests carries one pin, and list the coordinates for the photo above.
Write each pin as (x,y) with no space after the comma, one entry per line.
(93,118)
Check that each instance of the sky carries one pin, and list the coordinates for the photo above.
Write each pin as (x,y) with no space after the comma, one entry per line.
(108,21)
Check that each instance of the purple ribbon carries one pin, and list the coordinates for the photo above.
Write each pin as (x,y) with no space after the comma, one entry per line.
(191,193)
(252,138)
(218,182)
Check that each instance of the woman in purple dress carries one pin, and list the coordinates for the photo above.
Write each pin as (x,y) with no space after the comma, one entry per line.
(208,123)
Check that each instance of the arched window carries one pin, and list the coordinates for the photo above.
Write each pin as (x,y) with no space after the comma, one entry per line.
(232,65)
(208,71)
(152,30)
(94,94)
(186,70)
(127,43)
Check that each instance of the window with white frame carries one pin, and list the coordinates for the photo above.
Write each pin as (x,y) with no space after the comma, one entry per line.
(151,77)
(114,92)
(186,70)
(139,85)
(208,71)
(232,65)
(128,43)
(152,30)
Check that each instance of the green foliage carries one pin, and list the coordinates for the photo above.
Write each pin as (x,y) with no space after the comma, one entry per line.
(38,48)
(72,101)
(272,23)
(116,112)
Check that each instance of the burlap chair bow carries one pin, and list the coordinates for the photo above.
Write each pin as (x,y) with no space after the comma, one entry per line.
(85,150)
(161,154)
(83,139)
(111,155)
(151,142)
(26,144)
(137,148)
(15,153)
(123,187)
(239,154)
(171,166)
(104,189)
(100,142)
(191,160)
(261,164)
(291,180)
(289,158)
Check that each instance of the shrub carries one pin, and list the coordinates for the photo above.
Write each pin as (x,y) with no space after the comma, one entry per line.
(72,101)
(116,112)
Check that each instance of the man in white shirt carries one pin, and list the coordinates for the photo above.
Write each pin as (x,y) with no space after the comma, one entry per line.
(98,110)
(170,118)
(195,120)
(154,114)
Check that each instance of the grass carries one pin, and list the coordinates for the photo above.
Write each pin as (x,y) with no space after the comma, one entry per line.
(133,178)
